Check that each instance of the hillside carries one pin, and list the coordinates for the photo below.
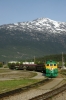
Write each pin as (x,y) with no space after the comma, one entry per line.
(24,40)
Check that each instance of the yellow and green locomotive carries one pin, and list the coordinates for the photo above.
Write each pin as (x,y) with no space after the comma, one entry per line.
(51,68)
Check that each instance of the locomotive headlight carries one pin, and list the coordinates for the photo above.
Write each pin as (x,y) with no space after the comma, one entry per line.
(51,69)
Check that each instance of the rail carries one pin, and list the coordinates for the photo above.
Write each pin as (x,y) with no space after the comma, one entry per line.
(50,94)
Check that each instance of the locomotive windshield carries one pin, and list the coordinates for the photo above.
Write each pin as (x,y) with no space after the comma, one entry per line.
(51,64)
(47,64)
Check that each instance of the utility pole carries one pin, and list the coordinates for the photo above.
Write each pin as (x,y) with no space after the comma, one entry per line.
(62,60)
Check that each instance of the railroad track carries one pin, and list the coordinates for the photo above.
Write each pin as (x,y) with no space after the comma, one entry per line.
(19,90)
(49,95)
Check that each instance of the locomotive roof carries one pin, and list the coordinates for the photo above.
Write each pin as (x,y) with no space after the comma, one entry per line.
(51,62)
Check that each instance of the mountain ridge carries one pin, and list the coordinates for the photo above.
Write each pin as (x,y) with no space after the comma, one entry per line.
(38,24)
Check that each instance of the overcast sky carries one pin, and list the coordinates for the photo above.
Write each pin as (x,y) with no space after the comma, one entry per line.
(13,11)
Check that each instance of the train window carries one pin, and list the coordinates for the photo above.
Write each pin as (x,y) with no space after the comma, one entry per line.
(51,64)
(54,64)
(47,64)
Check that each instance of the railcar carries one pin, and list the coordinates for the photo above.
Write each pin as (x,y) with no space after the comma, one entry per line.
(25,65)
(51,69)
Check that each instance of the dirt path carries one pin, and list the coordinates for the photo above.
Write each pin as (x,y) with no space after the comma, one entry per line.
(16,74)
(39,76)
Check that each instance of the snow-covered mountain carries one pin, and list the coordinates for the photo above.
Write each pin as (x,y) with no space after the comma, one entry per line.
(39,37)
(41,24)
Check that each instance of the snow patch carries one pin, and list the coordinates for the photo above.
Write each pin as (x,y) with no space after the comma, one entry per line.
(16,24)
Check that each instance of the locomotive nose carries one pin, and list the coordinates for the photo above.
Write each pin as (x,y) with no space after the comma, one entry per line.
(51,69)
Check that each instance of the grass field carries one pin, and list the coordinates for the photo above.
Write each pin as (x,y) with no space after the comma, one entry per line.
(13,84)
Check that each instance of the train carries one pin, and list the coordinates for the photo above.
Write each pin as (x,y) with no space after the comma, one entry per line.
(49,68)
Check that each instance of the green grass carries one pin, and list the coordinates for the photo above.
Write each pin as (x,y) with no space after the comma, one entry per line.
(13,84)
